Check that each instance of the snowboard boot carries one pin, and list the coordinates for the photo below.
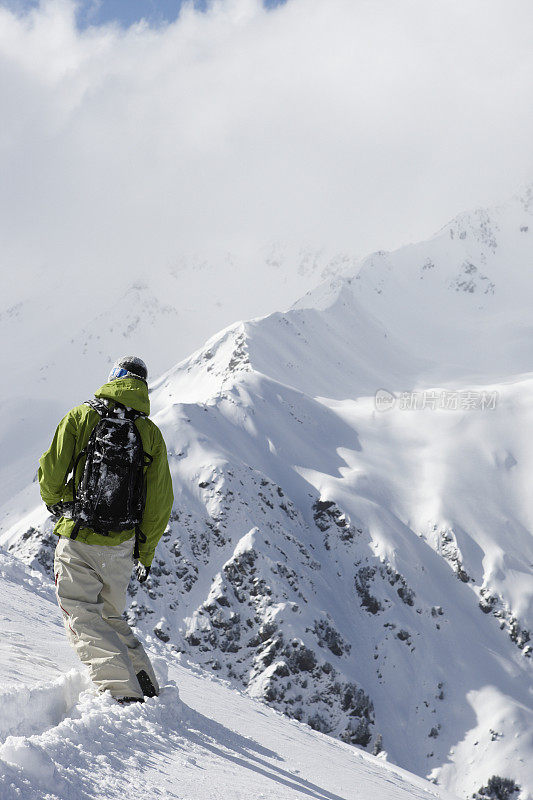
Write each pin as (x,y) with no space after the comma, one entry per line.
(148,688)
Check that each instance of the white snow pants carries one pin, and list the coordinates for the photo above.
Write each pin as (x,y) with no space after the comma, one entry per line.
(91,584)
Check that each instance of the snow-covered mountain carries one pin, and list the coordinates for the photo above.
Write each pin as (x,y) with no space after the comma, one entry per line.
(459,303)
(65,330)
(362,563)
(200,739)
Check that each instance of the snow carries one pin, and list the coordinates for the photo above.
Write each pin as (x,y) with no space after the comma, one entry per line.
(199,739)
(70,332)
(366,571)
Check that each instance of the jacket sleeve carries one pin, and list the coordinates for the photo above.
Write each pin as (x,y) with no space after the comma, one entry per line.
(54,465)
(159,499)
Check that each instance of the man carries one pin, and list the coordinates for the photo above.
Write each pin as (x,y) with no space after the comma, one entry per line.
(112,492)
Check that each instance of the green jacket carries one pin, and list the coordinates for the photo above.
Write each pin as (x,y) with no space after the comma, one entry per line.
(70,438)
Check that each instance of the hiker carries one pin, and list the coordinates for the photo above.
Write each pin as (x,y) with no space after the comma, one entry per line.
(106,478)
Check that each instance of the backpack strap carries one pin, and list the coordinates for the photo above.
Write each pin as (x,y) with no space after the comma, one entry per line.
(100,406)
(75,530)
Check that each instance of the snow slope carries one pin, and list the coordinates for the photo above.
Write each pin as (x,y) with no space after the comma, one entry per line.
(199,739)
(364,569)
(66,330)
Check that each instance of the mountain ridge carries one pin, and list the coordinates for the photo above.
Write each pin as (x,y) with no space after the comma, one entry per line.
(366,571)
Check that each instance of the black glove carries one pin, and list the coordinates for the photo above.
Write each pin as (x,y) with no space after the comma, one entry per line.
(56,510)
(141,572)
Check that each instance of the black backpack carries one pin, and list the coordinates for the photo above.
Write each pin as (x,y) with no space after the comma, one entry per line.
(111,492)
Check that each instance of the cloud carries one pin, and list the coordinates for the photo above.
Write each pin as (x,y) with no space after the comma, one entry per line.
(358,124)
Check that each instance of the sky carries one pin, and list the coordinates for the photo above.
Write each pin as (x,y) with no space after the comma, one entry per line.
(129,144)
(124,12)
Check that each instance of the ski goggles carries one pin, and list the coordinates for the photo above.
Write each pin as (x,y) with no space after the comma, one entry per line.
(121,372)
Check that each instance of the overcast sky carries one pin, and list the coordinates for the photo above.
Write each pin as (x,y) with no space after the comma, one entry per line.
(357,124)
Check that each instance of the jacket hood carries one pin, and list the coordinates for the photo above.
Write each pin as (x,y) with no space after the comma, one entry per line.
(128,391)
